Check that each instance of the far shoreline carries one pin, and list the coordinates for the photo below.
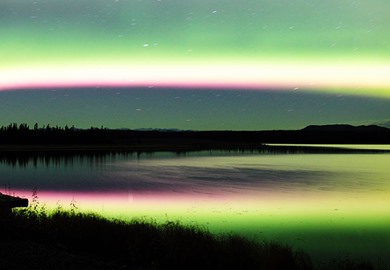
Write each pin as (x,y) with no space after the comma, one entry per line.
(21,138)
(186,148)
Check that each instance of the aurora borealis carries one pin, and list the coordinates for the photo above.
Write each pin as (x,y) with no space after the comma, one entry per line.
(329,48)
(208,65)
(189,109)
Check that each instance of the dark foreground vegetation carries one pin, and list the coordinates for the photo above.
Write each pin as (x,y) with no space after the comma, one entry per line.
(33,239)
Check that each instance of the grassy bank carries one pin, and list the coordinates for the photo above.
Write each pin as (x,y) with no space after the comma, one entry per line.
(32,238)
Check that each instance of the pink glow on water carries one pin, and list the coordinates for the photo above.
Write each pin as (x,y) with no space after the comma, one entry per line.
(128,204)
(190,205)
(253,76)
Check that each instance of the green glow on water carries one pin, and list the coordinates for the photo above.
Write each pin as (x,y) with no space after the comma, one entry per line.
(325,204)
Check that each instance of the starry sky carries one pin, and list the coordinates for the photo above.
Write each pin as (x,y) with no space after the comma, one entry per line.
(215,64)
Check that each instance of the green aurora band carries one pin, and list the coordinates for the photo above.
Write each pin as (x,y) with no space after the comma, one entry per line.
(43,33)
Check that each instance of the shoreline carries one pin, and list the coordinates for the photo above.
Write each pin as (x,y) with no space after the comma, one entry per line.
(194,147)
(76,240)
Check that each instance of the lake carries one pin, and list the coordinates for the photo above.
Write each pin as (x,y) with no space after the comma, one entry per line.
(327,204)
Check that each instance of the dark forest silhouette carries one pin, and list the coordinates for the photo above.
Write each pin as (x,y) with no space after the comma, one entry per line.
(21,136)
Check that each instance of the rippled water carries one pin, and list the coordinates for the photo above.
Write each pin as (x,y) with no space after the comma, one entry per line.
(326,204)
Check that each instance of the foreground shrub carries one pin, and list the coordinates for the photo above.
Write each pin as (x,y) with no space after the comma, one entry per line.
(89,241)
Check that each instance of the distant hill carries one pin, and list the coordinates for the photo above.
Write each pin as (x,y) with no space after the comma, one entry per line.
(346,128)
(345,134)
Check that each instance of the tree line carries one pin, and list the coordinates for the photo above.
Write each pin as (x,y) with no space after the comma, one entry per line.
(23,134)
(15,133)
(13,127)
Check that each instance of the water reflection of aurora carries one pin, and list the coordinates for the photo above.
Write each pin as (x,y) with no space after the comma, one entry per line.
(325,204)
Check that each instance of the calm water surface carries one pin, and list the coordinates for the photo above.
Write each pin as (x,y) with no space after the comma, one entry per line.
(326,204)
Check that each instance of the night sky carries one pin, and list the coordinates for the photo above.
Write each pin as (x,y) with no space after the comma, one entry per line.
(186,64)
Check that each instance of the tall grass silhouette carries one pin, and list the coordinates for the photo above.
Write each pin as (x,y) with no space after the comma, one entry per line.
(33,238)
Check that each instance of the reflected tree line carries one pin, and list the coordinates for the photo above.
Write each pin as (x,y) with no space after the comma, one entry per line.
(58,159)
(21,144)
(23,159)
